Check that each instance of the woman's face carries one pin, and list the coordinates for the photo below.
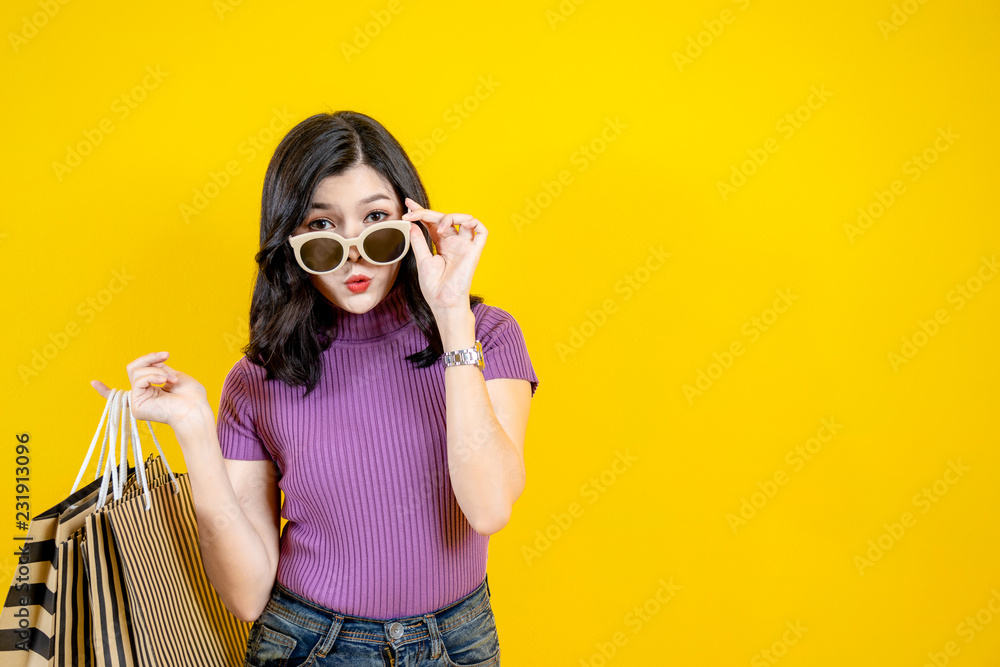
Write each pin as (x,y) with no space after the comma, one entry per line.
(347,204)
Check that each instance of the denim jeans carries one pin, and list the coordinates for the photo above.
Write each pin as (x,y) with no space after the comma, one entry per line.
(294,632)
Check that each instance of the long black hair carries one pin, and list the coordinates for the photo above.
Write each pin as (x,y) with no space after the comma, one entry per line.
(291,322)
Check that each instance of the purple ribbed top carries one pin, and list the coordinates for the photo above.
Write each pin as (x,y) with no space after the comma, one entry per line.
(374,529)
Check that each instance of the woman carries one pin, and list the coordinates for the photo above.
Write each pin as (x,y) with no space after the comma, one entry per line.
(396,462)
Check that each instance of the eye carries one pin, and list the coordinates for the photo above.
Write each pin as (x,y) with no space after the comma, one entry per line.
(383,214)
(318,225)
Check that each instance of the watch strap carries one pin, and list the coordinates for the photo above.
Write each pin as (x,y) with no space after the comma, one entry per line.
(469,356)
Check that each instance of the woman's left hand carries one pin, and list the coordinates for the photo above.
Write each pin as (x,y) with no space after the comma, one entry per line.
(445,278)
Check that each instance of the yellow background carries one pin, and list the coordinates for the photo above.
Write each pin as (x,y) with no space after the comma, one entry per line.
(559,74)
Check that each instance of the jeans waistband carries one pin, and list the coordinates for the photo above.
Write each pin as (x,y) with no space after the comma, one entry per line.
(313,616)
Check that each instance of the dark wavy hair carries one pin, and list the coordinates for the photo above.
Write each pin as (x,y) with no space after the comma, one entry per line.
(291,322)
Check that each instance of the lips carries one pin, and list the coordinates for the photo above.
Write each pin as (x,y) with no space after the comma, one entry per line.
(357,278)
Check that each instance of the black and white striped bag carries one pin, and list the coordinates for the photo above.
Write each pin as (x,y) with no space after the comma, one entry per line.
(28,617)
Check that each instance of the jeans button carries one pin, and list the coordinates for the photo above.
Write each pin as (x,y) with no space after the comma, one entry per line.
(396,630)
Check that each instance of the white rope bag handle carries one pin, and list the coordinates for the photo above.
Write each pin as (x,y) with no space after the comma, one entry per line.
(118,411)
(111,411)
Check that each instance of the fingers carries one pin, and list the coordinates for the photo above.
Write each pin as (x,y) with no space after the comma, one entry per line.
(448,222)
(468,228)
(444,224)
(418,243)
(151,369)
(146,360)
(415,216)
(481,233)
(424,214)
(168,369)
(145,378)
(147,370)
(164,371)
(101,388)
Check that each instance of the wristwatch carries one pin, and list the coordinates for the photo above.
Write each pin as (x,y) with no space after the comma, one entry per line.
(470,355)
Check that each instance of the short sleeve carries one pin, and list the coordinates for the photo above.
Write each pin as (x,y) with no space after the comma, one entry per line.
(504,350)
(237,435)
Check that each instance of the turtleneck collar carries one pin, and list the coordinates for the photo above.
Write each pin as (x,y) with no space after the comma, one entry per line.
(389,315)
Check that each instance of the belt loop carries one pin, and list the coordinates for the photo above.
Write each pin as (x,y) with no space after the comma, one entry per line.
(435,633)
(487,580)
(331,636)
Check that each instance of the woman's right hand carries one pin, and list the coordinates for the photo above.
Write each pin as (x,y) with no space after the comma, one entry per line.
(180,396)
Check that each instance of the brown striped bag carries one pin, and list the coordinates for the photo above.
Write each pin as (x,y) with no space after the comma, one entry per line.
(122,582)
(172,611)
(72,643)
(88,628)
(27,620)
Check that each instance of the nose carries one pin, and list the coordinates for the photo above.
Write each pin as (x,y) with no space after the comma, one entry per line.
(352,231)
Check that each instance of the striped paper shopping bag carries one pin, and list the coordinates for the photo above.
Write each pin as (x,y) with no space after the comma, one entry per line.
(91,619)
(168,607)
(176,615)
(71,642)
(27,620)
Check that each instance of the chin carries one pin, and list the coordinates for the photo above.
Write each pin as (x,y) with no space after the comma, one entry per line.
(359,303)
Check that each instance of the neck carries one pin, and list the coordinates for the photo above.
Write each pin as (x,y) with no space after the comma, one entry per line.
(388,315)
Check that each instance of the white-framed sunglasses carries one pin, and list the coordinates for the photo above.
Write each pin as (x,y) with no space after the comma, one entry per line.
(323,251)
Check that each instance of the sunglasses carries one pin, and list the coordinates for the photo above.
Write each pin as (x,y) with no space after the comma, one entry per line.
(322,252)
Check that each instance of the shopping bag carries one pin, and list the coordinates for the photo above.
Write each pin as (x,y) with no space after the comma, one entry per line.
(91,588)
(75,637)
(91,619)
(27,620)
(71,641)
(176,617)
(114,643)
(123,634)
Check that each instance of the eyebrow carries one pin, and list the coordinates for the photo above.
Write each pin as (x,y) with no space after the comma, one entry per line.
(367,200)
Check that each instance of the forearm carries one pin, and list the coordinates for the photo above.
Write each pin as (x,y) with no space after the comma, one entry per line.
(486,472)
(234,555)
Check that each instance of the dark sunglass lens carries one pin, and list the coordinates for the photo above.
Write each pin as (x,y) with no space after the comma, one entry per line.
(385,245)
(322,254)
